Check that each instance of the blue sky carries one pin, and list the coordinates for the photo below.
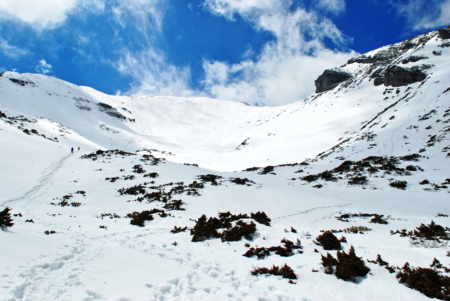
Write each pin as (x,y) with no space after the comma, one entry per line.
(262,52)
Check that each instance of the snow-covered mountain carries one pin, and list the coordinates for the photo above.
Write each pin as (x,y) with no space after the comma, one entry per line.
(373,140)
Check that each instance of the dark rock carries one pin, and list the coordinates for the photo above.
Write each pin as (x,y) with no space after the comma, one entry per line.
(437,52)
(397,76)
(21,82)
(413,58)
(362,59)
(330,79)
(444,33)
(103,107)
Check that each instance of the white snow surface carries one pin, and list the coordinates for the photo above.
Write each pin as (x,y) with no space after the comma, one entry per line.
(120,261)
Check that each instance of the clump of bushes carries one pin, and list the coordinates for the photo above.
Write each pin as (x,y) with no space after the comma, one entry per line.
(241,181)
(266,170)
(210,178)
(207,228)
(284,251)
(285,271)
(134,190)
(378,219)
(398,184)
(328,241)
(357,229)
(429,282)
(347,266)
(261,217)
(5,219)
(138,169)
(358,180)
(151,175)
(174,205)
(139,218)
(241,229)
(427,236)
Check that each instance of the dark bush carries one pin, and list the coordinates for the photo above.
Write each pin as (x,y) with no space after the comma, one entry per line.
(151,175)
(196,185)
(411,168)
(261,217)
(266,170)
(398,184)
(139,218)
(178,229)
(347,266)
(413,157)
(134,190)
(310,178)
(429,282)
(358,180)
(205,229)
(424,182)
(210,178)
(378,219)
(174,205)
(431,231)
(328,241)
(138,169)
(243,181)
(285,271)
(5,219)
(241,229)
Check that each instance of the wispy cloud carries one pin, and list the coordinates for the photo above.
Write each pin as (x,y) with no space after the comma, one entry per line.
(286,68)
(11,51)
(333,6)
(152,74)
(424,14)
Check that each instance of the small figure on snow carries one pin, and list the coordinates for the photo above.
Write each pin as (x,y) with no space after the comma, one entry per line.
(71,150)
(79,148)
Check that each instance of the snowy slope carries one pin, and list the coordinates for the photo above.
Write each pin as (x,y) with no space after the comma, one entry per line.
(375,134)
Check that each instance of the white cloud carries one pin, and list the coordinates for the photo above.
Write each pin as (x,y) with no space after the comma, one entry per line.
(42,13)
(424,14)
(334,6)
(43,67)
(153,75)
(287,67)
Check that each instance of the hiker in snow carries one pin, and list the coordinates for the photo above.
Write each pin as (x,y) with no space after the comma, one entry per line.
(78,148)
(71,150)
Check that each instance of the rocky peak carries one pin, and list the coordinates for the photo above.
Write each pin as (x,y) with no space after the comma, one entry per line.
(330,78)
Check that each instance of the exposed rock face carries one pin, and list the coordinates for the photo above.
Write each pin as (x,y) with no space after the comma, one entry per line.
(413,59)
(330,79)
(444,33)
(397,76)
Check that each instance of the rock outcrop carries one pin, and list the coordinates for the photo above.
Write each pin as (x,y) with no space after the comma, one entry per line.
(330,79)
(397,76)
(444,33)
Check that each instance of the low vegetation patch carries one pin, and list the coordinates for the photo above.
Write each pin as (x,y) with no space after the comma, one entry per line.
(139,218)
(284,251)
(428,281)
(427,236)
(207,228)
(347,266)
(328,241)
(285,271)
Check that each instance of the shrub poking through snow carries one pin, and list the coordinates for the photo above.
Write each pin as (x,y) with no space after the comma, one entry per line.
(427,236)
(240,181)
(134,190)
(398,184)
(358,180)
(151,175)
(286,251)
(347,266)
(174,205)
(429,282)
(138,169)
(261,217)
(210,178)
(139,218)
(378,219)
(5,219)
(207,228)
(241,229)
(285,271)
(328,241)
(178,229)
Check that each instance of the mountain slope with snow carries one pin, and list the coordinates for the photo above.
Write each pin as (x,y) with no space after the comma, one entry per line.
(373,143)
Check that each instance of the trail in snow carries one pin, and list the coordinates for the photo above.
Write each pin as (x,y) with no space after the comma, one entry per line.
(310,210)
(43,181)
